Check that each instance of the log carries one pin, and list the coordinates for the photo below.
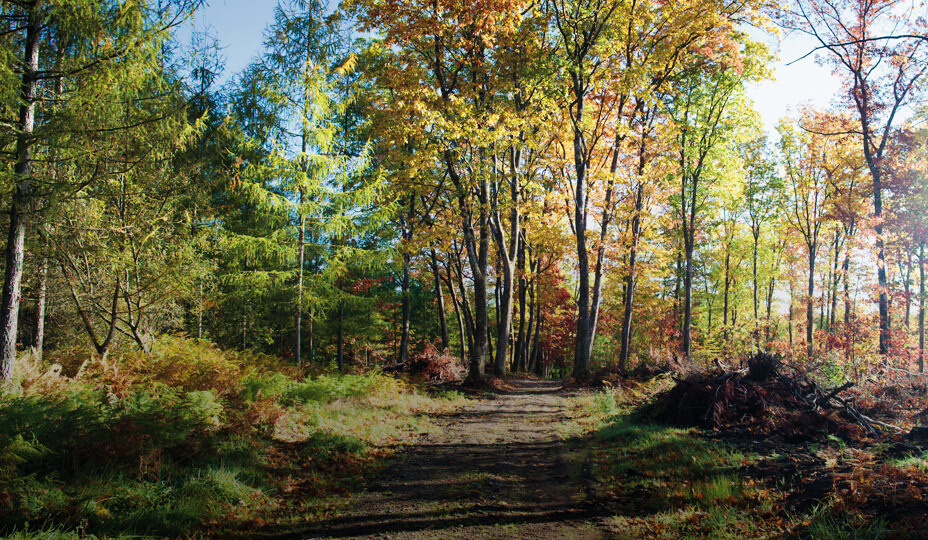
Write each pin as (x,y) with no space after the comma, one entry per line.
(835,392)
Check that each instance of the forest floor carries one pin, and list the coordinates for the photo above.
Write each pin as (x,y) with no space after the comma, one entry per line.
(503,466)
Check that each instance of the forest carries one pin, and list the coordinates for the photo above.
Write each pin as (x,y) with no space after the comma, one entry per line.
(200,266)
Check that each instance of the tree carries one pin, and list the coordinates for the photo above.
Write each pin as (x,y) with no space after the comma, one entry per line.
(616,60)
(805,163)
(444,76)
(302,169)
(701,107)
(762,200)
(880,51)
(91,46)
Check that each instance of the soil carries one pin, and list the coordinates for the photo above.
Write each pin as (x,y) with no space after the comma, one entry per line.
(498,468)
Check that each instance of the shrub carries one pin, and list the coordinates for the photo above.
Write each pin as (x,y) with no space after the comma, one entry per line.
(326,389)
(269,385)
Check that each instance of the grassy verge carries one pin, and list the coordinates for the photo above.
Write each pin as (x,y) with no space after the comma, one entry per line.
(192,441)
(666,482)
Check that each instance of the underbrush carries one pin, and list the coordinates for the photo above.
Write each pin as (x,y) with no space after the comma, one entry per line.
(192,440)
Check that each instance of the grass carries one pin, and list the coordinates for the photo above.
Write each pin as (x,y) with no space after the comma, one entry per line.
(193,441)
(667,482)
(670,483)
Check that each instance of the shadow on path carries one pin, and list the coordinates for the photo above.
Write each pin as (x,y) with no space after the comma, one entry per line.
(496,469)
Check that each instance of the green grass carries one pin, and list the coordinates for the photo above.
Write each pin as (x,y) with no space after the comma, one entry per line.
(826,523)
(667,482)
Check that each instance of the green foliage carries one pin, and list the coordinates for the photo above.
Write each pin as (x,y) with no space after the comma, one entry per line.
(164,446)
(269,385)
(327,389)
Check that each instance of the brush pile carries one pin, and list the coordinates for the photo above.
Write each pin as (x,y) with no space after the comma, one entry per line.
(431,365)
(761,400)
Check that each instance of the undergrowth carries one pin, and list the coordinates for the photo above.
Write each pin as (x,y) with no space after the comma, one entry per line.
(192,440)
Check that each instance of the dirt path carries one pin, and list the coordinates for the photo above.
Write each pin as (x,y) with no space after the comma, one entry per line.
(496,469)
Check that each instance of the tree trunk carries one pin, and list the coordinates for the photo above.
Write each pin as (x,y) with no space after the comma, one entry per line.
(688,301)
(810,312)
(38,344)
(440,298)
(535,358)
(921,307)
(340,354)
(309,337)
(507,256)
(519,357)
(905,270)
(462,333)
(200,310)
(838,276)
(467,312)
(790,320)
(299,276)
(403,356)
(727,288)
(771,288)
(584,339)
(626,336)
(9,303)
(881,266)
(755,233)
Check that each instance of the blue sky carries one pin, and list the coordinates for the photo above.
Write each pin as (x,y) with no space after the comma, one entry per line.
(239,26)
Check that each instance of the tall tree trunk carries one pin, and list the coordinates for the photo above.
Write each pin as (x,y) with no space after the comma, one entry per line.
(792,296)
(727,288)
(404,323)
(905,270)
(38,344)
(309,337)
(519,358)
(12,282)
(882,280)
(200,310)
(469,324)
(626,336)
(535,358)
(921,307)
(771,288)
(477,246)
(838,276)
(688,302)
(407,225)
(463,334)
(440,299)
(584,339)
(810,312)
(688,219)
(532,320)
(340,347)
(299,276)
(755,233)
(508,253)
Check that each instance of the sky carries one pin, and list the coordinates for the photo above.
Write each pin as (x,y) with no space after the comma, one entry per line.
(239,26)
